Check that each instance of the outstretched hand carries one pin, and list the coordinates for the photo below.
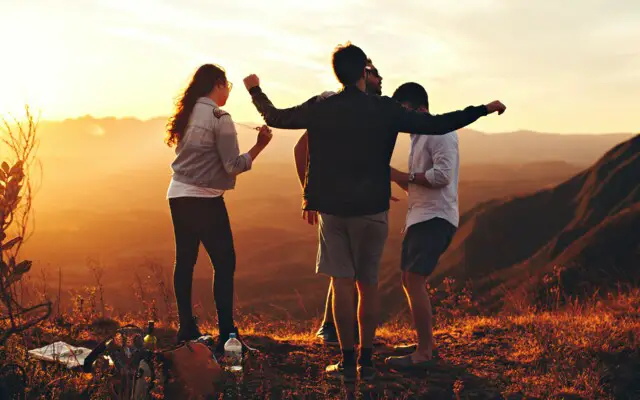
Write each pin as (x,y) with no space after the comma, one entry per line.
(251,81)
(496,106)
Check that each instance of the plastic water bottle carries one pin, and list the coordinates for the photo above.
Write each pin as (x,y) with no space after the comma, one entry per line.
(233,353)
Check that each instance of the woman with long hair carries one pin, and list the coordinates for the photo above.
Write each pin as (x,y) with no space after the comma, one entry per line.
(206,165)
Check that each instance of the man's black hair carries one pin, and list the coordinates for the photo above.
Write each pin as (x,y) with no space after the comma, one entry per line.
(349,62)
(412,93)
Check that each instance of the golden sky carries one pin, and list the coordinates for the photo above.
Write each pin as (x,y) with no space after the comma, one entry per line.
(560,66)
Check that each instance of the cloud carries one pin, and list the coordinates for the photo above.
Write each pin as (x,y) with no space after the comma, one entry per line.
(576,54)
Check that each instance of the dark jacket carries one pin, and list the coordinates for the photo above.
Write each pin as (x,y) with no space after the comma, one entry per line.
(351,139)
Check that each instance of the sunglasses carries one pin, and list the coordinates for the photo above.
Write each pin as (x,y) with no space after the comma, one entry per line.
(373,71)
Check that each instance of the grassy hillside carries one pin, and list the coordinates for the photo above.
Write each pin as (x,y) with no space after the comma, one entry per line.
(581,352)
(586,226)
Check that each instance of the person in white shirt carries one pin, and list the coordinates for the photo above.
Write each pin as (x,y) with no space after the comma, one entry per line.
(432,219)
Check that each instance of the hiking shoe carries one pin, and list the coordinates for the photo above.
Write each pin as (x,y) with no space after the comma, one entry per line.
(367,373)
(328,334)
(348,374)
(188,332)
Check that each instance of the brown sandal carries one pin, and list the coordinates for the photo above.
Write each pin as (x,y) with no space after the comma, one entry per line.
(406,362)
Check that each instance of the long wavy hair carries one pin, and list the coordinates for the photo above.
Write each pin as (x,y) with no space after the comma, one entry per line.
(202,83)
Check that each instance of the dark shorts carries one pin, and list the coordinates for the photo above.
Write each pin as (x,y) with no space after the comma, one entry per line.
(423,245)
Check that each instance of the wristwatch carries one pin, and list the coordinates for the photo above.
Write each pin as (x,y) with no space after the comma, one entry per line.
(412,177)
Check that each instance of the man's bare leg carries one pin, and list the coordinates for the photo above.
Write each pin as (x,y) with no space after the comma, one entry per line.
(415,287)
(344,316)
(327,331)
(328,308)
(367,313)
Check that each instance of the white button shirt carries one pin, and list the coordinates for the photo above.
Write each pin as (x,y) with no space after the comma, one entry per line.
(438,158)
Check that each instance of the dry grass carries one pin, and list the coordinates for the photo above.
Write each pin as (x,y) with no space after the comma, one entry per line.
(581,352)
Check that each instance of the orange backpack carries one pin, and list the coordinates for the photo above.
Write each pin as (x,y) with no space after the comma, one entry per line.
(192,371)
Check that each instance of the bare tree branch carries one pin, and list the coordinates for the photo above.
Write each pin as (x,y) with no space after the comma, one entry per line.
(16,195)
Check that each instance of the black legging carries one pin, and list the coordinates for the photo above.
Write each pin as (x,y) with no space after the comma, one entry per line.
(203,220)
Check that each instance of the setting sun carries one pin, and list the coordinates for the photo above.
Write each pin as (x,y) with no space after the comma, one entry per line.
(559,72)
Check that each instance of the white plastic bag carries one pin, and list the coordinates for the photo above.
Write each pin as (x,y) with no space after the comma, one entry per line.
(61,352)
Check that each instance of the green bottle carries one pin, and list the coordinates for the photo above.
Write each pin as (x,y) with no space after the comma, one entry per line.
(150,339)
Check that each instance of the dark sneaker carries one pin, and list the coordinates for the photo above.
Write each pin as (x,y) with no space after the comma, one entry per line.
(328,334)
(367,373)
(188,332)
(348,374)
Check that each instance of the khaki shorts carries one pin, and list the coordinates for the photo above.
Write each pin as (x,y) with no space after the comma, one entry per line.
(351,247)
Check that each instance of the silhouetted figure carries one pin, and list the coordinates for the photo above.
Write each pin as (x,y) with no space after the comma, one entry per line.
(206,165)
(327,331)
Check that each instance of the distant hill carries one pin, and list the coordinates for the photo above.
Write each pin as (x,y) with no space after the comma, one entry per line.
(586,227)
(608,254)
(527,147)
(102,195)
(134,141)
(76,152)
